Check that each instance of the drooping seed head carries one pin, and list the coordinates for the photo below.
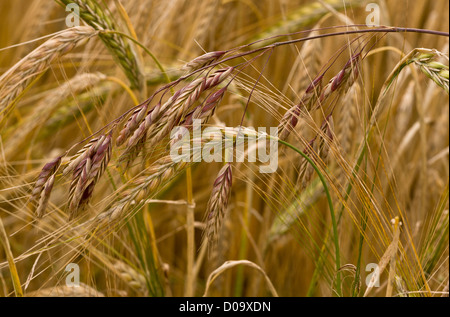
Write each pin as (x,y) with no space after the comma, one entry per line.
(344,79)
(434,70)
(44,185)
(82,154)
(87,173)
(291,117)
(181,106)
(203,60)
(132,124)
(206,110)
(218,203)
(45,196)
(47,171)
(327,129)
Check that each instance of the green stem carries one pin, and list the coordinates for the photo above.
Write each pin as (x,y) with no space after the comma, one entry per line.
(161,68)
(332,213)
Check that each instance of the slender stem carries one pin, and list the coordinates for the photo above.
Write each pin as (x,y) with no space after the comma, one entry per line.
(125,87)
(158,64)
(190,287)
(151,230)
(243,247)
(332,213)
(12,266)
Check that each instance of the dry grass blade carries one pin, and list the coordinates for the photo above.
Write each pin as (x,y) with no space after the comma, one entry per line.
(387,257)
(230,264)
(392,268)
(12,265)
(352,271)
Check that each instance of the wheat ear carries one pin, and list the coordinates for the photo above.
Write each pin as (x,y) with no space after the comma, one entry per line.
(435,70)
(161,119)
(306,171)
(302,17)
(87,168)
(14,82)
(94,15)
(44,185)
(82,290)
(140,189)
(176,108)
(348,118)
(309,98)
(130,276)
(343,80)
(217,204)
(203,60)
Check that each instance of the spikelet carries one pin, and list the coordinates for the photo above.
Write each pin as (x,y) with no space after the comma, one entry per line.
(175,108)
(98,18)
(140,189)
(203,60)
(309,98)
(163,118)
(343,80)
(217,204)
(348,117)
(133,278)
(43,186)
(326,137)
(435,70)
(132,124)
(306,171)
(14,82)
(87,169)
